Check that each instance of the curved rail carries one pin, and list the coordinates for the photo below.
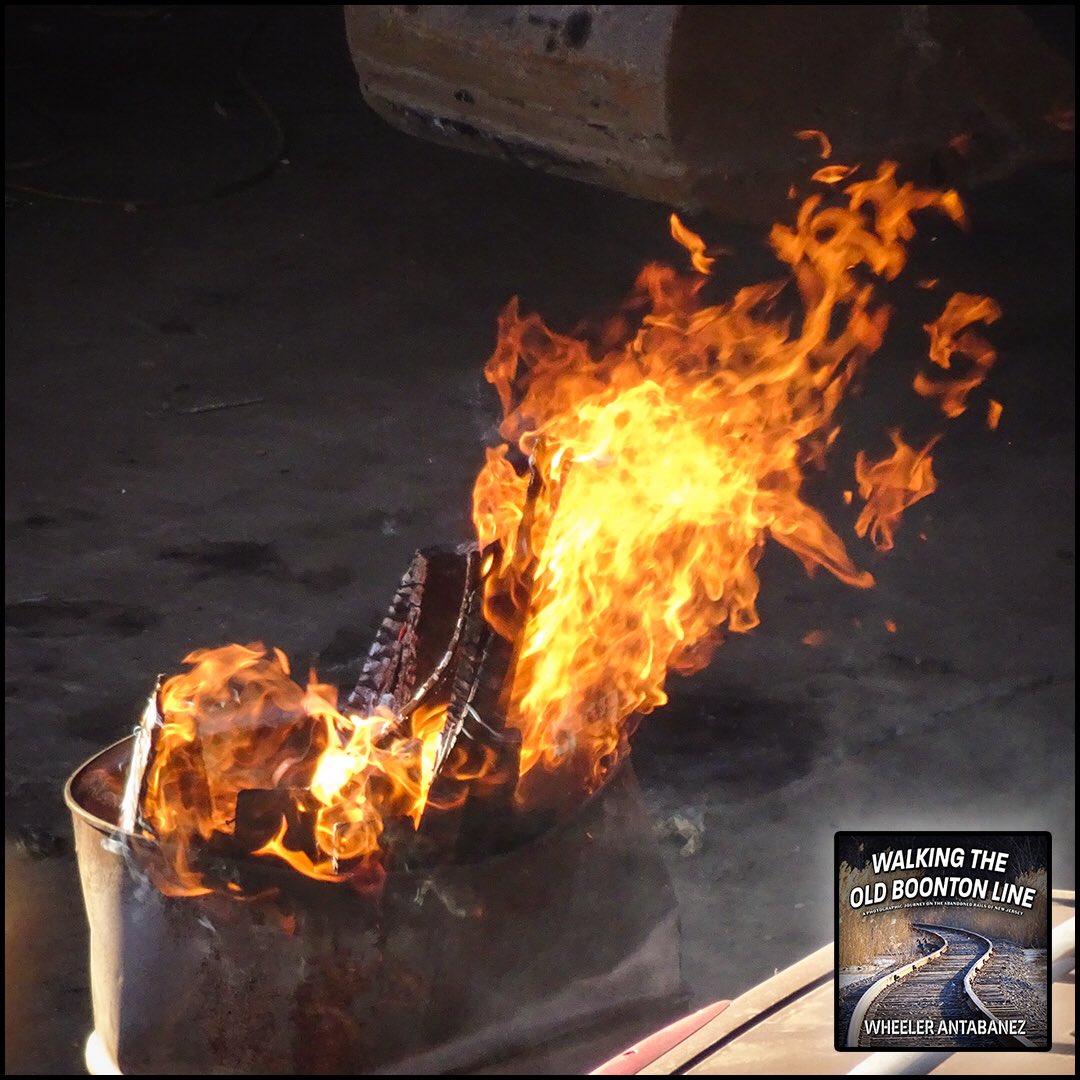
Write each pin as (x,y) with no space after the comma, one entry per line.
(1002,1010)
(1061,956)
(990,1011)
(962,951)
(876,989)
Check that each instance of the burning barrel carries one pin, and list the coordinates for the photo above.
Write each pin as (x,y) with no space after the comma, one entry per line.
(439,971)
(455,865)
(516,935)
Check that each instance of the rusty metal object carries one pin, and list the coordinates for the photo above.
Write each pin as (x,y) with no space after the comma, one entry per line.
(575,90)
(697,105)
(440,970)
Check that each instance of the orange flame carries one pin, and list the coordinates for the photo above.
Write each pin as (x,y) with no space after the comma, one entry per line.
(993,414)
(833,174)
(693,243)
(298,860)
(662,454)
(890,486)
(237,722)
(660,462)
(822,140)
(951,336)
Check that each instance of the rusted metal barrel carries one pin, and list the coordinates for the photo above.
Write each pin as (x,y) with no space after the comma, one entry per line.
(697,104)
(443,970)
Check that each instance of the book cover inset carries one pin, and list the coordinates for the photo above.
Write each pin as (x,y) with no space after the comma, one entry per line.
(941,941)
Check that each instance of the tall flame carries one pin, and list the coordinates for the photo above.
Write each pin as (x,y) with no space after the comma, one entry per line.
(662,459)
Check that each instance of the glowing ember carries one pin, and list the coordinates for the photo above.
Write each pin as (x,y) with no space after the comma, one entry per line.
(620,526)
(961,144)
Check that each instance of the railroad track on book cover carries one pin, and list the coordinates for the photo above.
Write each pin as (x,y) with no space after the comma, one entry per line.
(957,982)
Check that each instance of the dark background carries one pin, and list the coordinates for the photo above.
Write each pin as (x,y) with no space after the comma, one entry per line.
(353,288)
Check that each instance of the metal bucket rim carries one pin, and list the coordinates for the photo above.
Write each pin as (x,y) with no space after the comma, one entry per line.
(77,808)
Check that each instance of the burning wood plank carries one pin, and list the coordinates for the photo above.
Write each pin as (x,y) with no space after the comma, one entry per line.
(390,668)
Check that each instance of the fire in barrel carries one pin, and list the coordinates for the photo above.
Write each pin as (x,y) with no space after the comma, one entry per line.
(647,461)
